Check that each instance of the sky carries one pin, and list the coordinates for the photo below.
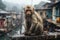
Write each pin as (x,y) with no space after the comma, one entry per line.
(26,2)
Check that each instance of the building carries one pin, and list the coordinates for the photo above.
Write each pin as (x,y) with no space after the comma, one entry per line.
(55,10)
(50,9)
(45,11)
(40,9)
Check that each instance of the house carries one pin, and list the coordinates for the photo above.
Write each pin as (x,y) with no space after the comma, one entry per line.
(55,11)
(45,11)
(48,11)
(40,9)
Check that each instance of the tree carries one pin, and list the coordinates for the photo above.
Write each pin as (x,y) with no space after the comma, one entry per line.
(2,6)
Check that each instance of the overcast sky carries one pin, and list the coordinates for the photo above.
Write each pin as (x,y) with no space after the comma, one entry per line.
(26,2)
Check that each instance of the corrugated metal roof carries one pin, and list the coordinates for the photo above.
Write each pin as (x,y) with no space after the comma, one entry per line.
(4,12)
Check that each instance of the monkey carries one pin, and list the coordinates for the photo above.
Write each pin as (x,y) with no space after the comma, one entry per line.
(33,22)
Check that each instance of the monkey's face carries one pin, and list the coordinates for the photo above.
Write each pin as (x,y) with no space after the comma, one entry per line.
(28,14)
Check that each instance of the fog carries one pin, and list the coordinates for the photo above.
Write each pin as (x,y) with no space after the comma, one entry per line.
(26,2)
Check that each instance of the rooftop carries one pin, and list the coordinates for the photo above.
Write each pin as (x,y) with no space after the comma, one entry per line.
(4,12)
(56,4)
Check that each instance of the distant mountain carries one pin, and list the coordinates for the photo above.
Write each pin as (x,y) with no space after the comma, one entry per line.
(9,6)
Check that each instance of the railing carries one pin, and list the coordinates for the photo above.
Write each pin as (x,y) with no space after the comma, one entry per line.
(50,36)
(35,38)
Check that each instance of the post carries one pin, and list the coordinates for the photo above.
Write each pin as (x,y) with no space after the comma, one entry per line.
(53,14)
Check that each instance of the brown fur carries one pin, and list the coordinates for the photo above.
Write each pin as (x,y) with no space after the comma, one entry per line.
(36,25)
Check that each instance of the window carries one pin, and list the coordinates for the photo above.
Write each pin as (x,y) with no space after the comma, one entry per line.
(57,12)
(49,13)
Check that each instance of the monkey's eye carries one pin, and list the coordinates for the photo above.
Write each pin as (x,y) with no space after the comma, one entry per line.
(28,10)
